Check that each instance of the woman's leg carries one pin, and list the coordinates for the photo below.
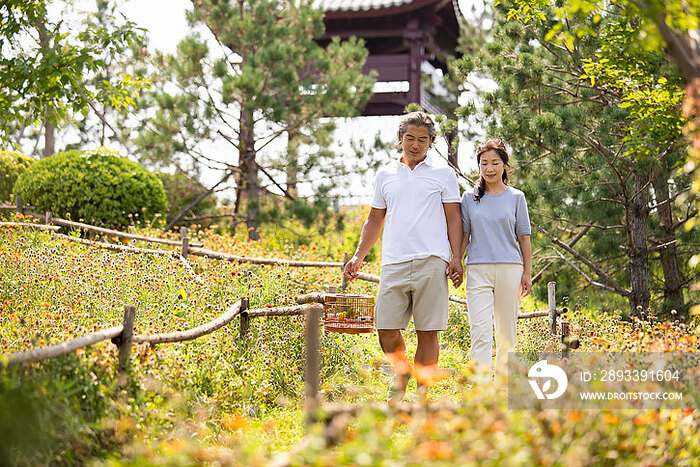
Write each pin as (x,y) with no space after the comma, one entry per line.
(506,301)
(480,286)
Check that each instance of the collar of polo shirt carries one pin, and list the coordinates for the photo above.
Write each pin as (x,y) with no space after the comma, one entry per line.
(428,161)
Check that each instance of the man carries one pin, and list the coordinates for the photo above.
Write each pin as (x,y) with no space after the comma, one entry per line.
(420,248)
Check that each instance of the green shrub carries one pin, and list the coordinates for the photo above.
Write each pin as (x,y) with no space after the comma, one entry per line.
(51,414)
(12,164)
(97,187)
(181,190)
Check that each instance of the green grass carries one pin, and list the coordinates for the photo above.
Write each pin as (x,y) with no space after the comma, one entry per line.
(223,399)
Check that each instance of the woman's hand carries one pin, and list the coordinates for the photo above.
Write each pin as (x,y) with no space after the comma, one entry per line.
(525,284)
(455,272)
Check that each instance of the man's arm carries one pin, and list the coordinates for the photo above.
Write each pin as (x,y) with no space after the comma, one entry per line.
(369,236)
(453,216)
(526,249)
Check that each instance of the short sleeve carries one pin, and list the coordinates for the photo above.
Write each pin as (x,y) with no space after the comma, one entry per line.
(378,200)
(522,218)
(450,192)
(466,223)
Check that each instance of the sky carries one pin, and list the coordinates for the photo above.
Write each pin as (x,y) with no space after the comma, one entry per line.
(166,24)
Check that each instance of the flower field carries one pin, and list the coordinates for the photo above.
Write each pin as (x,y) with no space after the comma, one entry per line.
(226,400)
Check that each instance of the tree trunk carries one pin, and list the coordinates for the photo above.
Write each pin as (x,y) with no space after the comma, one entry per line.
(292,161)
(249,171)
(49,128)
(49,136)
(638,213)
(673,290)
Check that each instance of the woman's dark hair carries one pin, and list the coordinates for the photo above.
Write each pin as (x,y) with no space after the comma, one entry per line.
(490,144)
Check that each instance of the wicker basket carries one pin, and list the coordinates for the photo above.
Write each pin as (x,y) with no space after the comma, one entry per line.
(351,314)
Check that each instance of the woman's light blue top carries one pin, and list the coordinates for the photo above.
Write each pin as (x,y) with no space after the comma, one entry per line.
(495,223)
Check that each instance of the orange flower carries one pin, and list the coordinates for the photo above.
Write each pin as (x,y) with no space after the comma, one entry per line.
(172,446)
(434,450)
(555,429)
(610,419)
(398,359)
(498,425)
(430,374)
(574,416)
(235,422)
(646,419)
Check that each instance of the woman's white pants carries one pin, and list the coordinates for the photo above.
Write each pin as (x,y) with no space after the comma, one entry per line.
(493,295)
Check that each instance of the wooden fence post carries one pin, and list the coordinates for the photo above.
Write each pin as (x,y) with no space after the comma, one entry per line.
(49,218)
(565,339)
(245,318)
(185,242)
(311,377)
(18,200)
(344,285)
(552,301)
(125,339)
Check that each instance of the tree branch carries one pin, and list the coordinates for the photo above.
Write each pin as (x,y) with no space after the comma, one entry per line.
(619,289)
(669,200)
(586,276)
(197,201)
(286,193)
(573,241)
(683,221)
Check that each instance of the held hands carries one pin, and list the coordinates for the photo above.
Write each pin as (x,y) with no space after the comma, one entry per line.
(525,284)
(352,268)
(455,271)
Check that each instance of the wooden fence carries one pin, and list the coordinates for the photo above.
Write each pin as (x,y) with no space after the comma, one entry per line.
(122,335)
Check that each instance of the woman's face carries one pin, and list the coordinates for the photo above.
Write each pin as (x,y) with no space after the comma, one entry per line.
(491,166)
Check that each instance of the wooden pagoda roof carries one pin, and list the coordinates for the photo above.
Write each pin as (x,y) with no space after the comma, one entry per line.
(400,35)
(337,9)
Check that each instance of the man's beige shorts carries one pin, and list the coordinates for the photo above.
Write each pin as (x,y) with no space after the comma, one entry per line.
(415,288)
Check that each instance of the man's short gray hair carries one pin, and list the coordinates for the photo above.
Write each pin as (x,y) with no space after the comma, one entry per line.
(417,119)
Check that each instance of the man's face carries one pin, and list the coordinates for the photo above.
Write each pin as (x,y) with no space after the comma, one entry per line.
(415,143)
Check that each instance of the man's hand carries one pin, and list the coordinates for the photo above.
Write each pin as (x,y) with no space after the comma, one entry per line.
(455,271)
(352,268)
(525,284)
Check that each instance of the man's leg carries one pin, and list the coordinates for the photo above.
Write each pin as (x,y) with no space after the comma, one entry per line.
(392,313)
(430,312)
(428,349)
(394,347)
(391,341)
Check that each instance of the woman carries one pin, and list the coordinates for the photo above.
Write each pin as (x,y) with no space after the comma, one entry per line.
(498,268)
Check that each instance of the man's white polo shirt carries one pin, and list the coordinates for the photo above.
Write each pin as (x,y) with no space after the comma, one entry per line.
(415,225)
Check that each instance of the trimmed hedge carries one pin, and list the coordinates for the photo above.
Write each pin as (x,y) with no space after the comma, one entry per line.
(97,187)
(12,164)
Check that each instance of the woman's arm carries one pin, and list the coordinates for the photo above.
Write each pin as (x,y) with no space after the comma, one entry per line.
(453,217)
(465,244)
(526,250)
